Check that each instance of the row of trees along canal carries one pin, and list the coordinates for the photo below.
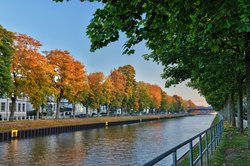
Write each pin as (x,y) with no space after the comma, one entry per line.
(206,42)
(58,74)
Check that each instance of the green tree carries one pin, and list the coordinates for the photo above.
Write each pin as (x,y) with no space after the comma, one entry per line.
(6,52)
(143,96)
(164,103)
(178,33)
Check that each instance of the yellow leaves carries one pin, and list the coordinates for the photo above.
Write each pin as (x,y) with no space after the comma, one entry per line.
(30,70)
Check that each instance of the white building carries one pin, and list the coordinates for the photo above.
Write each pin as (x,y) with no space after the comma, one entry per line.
(21,108)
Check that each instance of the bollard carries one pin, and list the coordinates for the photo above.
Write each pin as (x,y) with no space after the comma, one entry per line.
(14,133)
(106,123)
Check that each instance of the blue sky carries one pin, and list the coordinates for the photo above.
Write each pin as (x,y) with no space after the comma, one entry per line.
(63,26)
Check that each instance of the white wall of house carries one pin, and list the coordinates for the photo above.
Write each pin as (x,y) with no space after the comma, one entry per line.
(21,108)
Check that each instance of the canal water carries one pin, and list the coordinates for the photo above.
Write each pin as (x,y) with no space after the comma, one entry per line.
(132,144)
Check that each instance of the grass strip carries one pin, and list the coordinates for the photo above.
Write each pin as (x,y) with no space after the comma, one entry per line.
(233,149)
(185,161)
(34,124)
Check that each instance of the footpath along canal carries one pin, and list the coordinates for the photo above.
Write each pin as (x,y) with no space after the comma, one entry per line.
(128,144)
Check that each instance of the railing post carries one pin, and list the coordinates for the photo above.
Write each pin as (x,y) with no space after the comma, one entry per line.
(211,141)
(191,153)
(206,142)
(214,137)
(218,134)
(174,158)
(200,150)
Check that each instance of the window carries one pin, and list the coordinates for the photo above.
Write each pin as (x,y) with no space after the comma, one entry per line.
(24,107)
(19,107)
(2,107)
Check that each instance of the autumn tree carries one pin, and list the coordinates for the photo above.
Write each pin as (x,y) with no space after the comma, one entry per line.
(130,87)
(144,97)
(155,92)
(63,65)
(38,85)
(119,82)
(85,96)
(179,103)
(190,104)
(96,81)
(164,103)
(27,62)
(78,85)
(6,52)
(108,93)
(170,103)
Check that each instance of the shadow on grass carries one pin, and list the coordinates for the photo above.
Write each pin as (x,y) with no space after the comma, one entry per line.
(232,149)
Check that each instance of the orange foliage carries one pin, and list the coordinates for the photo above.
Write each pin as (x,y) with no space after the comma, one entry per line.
(155,91)
(96,85)
(30,70)
(119,81)
(63,64)
(78,83)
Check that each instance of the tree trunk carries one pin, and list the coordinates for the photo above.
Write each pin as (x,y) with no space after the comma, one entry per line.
(58,102)
(121,110)
(232,110)
(223,112)
(13,108)
(37,113)
(127,109)
(240,110)
(87,110)
(248,83)
(98,111)
(229,109)
(108,109)
(74,109)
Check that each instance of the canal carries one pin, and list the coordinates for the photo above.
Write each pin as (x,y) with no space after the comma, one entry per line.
(132,144)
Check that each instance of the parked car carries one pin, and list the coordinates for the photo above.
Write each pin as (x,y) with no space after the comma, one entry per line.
(94,115)
(103,114)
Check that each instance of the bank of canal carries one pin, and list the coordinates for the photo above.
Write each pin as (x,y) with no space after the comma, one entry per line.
(34,128)
(128,144)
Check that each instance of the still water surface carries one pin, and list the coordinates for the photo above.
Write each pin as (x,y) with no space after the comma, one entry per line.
(132,144)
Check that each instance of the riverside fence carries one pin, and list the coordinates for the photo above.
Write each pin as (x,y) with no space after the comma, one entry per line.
(209,138)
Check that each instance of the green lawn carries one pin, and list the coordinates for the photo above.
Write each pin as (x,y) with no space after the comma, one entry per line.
(185,161)
(232,150)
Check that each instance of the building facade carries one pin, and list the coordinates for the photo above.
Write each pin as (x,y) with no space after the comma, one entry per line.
(21,108)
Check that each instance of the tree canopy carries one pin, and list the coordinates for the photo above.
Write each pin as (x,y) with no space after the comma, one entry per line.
(6,52)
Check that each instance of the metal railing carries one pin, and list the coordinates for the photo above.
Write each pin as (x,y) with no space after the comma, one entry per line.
(212,138)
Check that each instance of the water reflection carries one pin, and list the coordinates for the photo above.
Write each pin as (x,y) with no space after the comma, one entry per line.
(132,144)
